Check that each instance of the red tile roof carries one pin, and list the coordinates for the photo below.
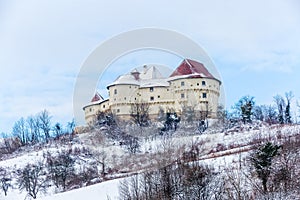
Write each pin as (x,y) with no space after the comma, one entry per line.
(193,68)
(97,97)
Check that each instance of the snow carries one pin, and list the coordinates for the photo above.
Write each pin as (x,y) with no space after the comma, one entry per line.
(150,77)
(125,79)
(154,83)
(101,191)
(236,144)
(151,72)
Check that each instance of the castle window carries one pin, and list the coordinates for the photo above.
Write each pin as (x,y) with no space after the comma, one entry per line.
(151,98)
(204,95)
(182,96)
(118,110)
(124,98)
(103,106)
(151,89)
(115,91)
(158,96)
(197,84)
(203,83)
(90,109)
(182,83)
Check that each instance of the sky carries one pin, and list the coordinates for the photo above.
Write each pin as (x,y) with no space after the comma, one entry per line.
(254,45)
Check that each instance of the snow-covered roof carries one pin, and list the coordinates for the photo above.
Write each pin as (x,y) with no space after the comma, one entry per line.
(124,80)
(150,72)
(190,69)
(95,102)
(154,83)
(148,76)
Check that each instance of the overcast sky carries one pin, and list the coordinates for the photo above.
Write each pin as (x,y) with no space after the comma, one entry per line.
(255,46)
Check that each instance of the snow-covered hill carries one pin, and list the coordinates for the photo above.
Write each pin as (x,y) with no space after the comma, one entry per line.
(218,150)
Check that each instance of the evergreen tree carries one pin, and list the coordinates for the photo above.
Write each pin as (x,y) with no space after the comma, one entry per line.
(262,162)
(244,108)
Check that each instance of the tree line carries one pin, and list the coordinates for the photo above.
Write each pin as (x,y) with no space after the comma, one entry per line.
(34,129)
(39,128)
(246,110)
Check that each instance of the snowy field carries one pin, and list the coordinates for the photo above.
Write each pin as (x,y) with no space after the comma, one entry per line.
(103,191)
(107,190)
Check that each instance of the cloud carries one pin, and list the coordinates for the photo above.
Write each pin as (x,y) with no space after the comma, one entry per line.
(43,44)
(274,61)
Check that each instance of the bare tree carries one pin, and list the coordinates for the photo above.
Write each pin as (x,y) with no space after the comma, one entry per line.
(101,158)
(71,126)
(20,130)
(280,108)
(33,128)
(258,113)
(139,113)
(161,115)
(32,179)
(188,113)
(45,123)
(105,119)
(61,167)
(132,144)
(288,117)
(270,114)
(203,122)
(5,180)
(175,181)
(221,114)
(298,105)
(57,129)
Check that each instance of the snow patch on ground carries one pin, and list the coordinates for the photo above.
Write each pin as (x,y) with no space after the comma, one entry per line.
(107,190)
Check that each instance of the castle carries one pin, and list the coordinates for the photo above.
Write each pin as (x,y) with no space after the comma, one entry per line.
(191,85)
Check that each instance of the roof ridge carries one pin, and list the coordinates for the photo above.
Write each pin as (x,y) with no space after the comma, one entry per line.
(191,68)
(97,97)
(187,61)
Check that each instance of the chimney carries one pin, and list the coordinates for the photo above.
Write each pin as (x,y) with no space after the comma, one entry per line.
(145,67)
(135,74)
